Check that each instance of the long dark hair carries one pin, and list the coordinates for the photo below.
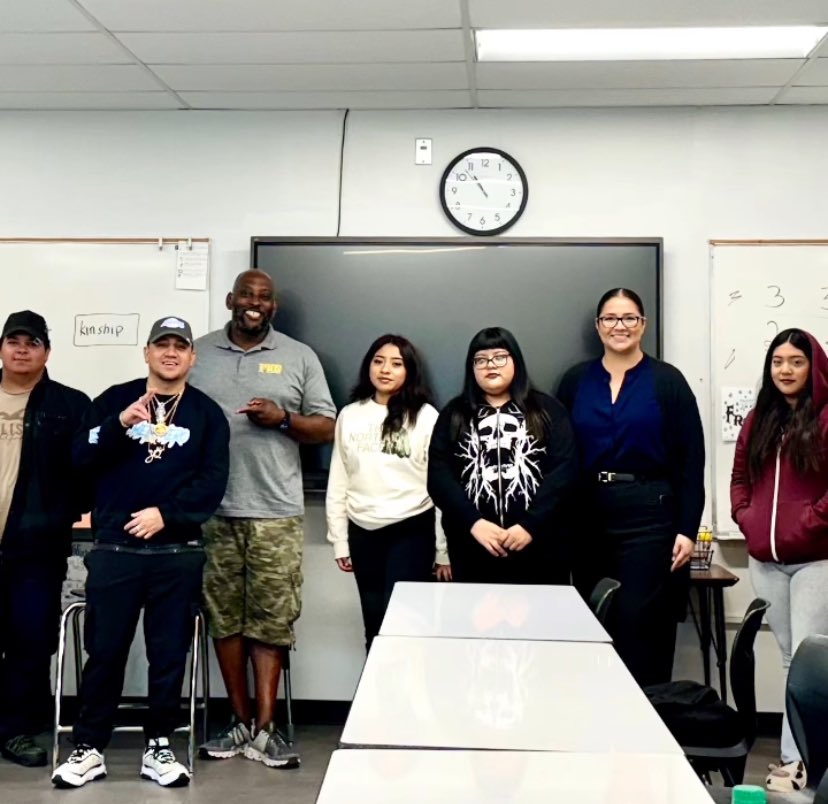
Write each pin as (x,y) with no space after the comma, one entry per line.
(405,405)
(521,390)
(776,422)
(624,293)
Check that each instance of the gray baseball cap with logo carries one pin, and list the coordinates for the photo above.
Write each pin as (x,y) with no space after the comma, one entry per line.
(171,325)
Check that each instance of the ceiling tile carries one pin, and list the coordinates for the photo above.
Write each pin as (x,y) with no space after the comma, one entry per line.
(451,99)
(73,78)
(643,13)
(41,15)
(323,47)
(315,77)
(626,97)
(804,95)
(815,73)
(86,101)
(635,74)
(60,48)
(268,15)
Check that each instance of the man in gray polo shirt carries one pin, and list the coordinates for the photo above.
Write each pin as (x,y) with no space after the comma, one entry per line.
(273,391)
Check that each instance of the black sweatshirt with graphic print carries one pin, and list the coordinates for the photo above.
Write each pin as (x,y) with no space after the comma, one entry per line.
(496,470)
(185,480)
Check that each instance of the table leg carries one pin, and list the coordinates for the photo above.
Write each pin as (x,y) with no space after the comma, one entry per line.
(721,640)
(704,630)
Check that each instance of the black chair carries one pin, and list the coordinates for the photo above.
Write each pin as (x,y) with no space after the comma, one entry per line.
(600,601)
(713,735)
(806,701)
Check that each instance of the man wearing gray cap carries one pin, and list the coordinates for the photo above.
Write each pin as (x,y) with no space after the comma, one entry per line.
(40,498)
(158,452)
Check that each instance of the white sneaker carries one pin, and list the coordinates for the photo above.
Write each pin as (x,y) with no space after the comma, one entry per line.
(160,765)
(85,764)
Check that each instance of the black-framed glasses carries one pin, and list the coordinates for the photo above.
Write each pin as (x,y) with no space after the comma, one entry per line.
(627,321)
(498,360)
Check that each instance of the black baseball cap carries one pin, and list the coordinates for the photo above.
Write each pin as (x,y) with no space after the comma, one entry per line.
(28,322)
(171,325)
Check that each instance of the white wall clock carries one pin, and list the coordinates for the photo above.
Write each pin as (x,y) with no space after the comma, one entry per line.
(483,191)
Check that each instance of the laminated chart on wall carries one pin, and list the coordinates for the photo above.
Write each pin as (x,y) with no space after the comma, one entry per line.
(758,289)
(100,296)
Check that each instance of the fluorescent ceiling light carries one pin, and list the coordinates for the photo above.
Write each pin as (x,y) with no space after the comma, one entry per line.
(646,44)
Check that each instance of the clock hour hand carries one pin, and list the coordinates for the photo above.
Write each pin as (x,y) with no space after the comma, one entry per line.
(482,190)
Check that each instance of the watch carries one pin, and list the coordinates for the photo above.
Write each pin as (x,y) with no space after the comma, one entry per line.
(483,191)
(284,425)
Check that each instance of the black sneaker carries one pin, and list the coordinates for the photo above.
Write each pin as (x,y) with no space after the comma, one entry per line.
(24,751)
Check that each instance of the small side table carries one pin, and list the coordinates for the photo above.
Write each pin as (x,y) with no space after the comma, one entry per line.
(710,585)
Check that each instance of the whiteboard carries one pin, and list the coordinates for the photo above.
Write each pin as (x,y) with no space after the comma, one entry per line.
(758,289)
(99,299)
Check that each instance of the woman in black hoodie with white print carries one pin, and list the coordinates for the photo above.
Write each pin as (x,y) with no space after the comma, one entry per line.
(502,458)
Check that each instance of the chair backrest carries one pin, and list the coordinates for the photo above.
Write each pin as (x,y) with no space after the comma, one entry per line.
(600,601)
(743,667)
(806,701)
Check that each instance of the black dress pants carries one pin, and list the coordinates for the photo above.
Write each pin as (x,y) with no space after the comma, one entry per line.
(403,551)
(168,587)
(634,545)
(29,624)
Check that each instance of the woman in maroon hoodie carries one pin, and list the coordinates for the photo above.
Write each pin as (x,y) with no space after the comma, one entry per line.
(779,498)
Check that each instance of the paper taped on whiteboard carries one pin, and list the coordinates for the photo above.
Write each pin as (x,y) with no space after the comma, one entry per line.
(736,404)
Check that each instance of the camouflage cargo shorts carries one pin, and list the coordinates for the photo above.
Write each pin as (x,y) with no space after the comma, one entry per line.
(253,577)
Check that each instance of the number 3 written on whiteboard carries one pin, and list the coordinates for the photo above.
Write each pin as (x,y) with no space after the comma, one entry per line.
(776,295)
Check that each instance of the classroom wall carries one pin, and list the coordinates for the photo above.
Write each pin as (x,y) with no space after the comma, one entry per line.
(686,175)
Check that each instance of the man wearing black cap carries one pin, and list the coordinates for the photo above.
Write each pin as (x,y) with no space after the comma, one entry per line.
(158,452)
(40,498)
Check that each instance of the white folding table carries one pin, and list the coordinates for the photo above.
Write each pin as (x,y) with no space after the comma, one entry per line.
(491,611)
(423,692)
(495,777)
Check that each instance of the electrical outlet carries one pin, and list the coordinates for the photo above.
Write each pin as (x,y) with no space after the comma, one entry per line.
(422,151)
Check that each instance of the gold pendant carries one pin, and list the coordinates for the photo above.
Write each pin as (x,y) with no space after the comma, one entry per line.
(154,454)
(160,429)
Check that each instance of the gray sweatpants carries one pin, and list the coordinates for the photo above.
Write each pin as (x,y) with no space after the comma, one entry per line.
(798,594)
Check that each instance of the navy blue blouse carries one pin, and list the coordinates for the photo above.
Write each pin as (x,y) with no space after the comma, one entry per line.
(626,436)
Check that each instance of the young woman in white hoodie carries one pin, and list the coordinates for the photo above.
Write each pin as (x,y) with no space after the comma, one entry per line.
(381,521)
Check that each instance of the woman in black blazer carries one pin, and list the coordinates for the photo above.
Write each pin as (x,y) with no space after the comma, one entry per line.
(641,493)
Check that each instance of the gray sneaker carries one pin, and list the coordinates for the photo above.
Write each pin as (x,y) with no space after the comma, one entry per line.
(229,742)
(270,747)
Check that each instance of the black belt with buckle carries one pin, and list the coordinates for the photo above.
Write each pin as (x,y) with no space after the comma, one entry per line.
(618,477)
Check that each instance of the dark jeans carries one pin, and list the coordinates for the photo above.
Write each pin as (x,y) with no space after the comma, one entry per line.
(168,587)
(635,546)
(403,551)
(29,625)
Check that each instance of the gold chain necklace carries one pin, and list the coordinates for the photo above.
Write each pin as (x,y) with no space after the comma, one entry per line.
(163,422)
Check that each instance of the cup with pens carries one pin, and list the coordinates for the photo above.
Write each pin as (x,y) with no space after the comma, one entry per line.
(703,552)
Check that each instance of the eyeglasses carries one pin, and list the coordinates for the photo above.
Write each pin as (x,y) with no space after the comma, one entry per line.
(627,321)
(498,361)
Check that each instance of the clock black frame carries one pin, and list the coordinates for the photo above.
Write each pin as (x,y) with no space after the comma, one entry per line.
(468,229)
